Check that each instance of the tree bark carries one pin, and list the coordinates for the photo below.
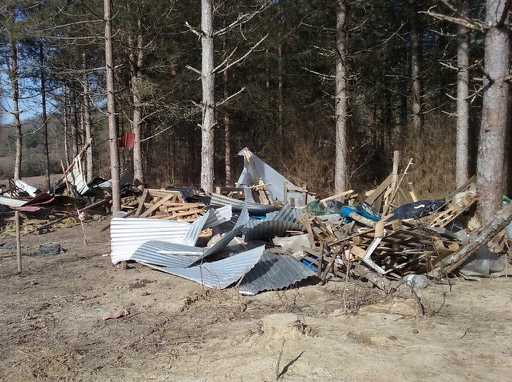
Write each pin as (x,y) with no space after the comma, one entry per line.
(111,110)
(462,156)
(14,78)
(87,120)
(136,62)
(491,146)
(44,114)
(74,121)
(417,117)
(66,124)
(227,119)
(340,168)
(208,105)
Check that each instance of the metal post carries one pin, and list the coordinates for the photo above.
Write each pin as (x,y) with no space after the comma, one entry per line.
(18,239)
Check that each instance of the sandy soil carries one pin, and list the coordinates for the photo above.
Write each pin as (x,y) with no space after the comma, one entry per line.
(51,327)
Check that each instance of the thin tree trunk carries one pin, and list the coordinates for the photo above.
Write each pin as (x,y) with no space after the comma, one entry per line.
(462,159)
(13,76)
(227,119)
(208,85)
(112,130)
(417,118)
(136,62)
(280,96)
(66,124)
(74,121)
(87,120)
(45,117)
(340,167)
(494,113)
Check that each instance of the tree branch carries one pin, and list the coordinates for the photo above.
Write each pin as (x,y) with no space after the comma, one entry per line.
(217,70)
(230,97)
(242,19)
(461,15)
(454,20)
(197,33)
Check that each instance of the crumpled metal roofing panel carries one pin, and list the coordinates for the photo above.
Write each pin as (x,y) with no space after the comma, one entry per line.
(167,254)
(219,216)
(31,190)
(219,274)
(12,202)
(224,241)
(276,224)
(128,234)
(270,228)
(274,272)
(237,205)
(258,169)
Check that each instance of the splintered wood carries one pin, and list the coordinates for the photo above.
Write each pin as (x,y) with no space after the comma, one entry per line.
(392,249)
(167,205)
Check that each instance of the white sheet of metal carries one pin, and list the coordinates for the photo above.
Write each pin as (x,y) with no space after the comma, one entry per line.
(128,234)
(218,274)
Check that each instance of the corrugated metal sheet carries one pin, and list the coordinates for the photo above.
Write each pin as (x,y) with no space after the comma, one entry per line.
(237,205)
(77,178)
(128,234)
(11,202)
(26,187)
(276,224)
(224,241)
(218,274)
(125,178)
(195,230)
(218,216)
(167,254)
(258,169)
(270,228)
(274,272)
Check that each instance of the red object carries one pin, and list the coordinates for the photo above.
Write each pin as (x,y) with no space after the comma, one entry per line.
(127,140)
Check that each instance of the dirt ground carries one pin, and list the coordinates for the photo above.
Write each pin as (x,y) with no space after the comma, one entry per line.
(51,326)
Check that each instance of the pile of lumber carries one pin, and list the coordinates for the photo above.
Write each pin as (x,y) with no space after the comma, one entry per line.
(167,205)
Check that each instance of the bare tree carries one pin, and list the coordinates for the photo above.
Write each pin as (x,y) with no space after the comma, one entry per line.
(87,119)
(341,96)
(491,147)
(462,156)
(417,118)
(42,74)
(13,73)
(111,109)
(136,58)
(208,104)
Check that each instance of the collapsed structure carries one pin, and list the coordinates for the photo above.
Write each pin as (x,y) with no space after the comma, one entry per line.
(269,234)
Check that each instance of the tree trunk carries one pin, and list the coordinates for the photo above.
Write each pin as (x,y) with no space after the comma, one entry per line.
(66,124)
(462,156)
(74,121)
(340,167)
(417,118)
(112,130)
(44,114)
(494,113)
(227,119)
(87,120)
(13,76)
(136,62)
(208,84)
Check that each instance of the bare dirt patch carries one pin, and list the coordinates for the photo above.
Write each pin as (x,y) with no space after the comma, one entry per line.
(177,331)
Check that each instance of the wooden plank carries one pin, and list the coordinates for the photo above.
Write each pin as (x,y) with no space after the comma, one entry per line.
(379,190)
(141,202)
(156,206)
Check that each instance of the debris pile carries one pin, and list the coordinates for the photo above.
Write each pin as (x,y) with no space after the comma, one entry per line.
(269,234)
